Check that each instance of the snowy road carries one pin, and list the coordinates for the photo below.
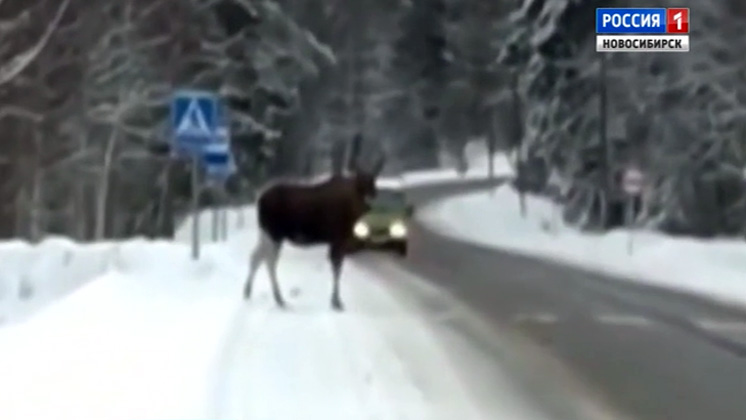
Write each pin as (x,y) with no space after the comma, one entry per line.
(156,335)
(159,336)
(401,350)
(381,359)
(653,352)
(458,330)
(377,360)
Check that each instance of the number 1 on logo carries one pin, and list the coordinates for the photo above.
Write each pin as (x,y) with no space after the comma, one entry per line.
(677,21)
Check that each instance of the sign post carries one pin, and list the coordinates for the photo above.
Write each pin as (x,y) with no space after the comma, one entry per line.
(224,134)
(224,224)
(632,183)
(215,224)
(194,118)
(219,166)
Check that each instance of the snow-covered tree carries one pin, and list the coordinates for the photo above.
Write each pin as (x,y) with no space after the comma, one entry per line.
(420,69)
(678,116)
(87,103)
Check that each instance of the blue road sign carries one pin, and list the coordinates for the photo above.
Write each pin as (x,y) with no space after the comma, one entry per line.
(218,161)
(222,134)
(194,119)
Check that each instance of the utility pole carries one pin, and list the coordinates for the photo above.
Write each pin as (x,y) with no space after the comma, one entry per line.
(520,164)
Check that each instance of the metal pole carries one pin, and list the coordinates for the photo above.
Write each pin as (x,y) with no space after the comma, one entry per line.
(518,141)
(224,224)
(224,214)
(220,224)
(555,216)
(195,207)
(630,223)
(215,224)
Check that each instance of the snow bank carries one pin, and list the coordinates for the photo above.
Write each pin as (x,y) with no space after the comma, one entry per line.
(32,276)
(137,335)
(713,268)
(141,340)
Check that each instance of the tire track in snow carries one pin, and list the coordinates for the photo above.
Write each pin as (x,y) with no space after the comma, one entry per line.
(509,377)
(374,361)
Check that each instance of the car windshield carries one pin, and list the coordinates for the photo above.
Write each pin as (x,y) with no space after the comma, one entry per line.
(388,200)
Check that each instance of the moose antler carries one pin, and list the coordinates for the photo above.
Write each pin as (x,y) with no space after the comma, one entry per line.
(353,155)
(378,166)
(337,158)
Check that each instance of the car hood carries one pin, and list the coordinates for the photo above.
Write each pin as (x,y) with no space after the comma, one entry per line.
(378,218)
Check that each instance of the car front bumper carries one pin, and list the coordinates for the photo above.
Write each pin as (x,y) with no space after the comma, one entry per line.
(380,241)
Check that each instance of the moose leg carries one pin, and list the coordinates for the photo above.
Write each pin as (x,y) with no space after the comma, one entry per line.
(274,256)
(261,253)
(336,256)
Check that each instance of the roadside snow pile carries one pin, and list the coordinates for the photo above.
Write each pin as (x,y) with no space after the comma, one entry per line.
(32,276)
(140,341)
(137,334)
(714,268)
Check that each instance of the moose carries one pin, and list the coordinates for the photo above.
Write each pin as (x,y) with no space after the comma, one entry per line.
(309,215)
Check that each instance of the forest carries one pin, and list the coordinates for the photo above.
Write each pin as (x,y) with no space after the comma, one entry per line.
(85,89)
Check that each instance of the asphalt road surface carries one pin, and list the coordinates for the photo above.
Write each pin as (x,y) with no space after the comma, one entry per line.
(653,354)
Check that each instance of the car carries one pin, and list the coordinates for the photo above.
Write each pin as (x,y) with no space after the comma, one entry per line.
(386,224)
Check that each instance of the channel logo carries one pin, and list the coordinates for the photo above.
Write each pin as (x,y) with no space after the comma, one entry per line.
(642,29)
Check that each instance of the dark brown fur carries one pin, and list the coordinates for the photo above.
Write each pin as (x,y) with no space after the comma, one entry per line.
(307,215)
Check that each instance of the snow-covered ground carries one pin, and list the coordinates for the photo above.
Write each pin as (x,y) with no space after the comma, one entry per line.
(145,332)
(713,268)
(377,360)
(32,276)
(137,330)
(138,341)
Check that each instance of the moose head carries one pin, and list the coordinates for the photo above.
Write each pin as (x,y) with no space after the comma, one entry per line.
(364,180)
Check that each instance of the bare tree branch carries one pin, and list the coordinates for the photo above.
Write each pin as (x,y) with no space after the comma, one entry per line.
(19,63)
(18,112)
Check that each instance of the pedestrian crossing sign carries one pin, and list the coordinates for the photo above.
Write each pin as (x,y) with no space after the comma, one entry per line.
(194,119)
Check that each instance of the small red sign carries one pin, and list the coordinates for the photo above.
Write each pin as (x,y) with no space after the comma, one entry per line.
(633,181)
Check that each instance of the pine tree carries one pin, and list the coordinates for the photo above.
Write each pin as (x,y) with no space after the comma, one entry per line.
(420,69)
(420,59)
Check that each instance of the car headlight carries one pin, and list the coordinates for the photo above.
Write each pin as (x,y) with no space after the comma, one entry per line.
(398,229)
(361,230)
